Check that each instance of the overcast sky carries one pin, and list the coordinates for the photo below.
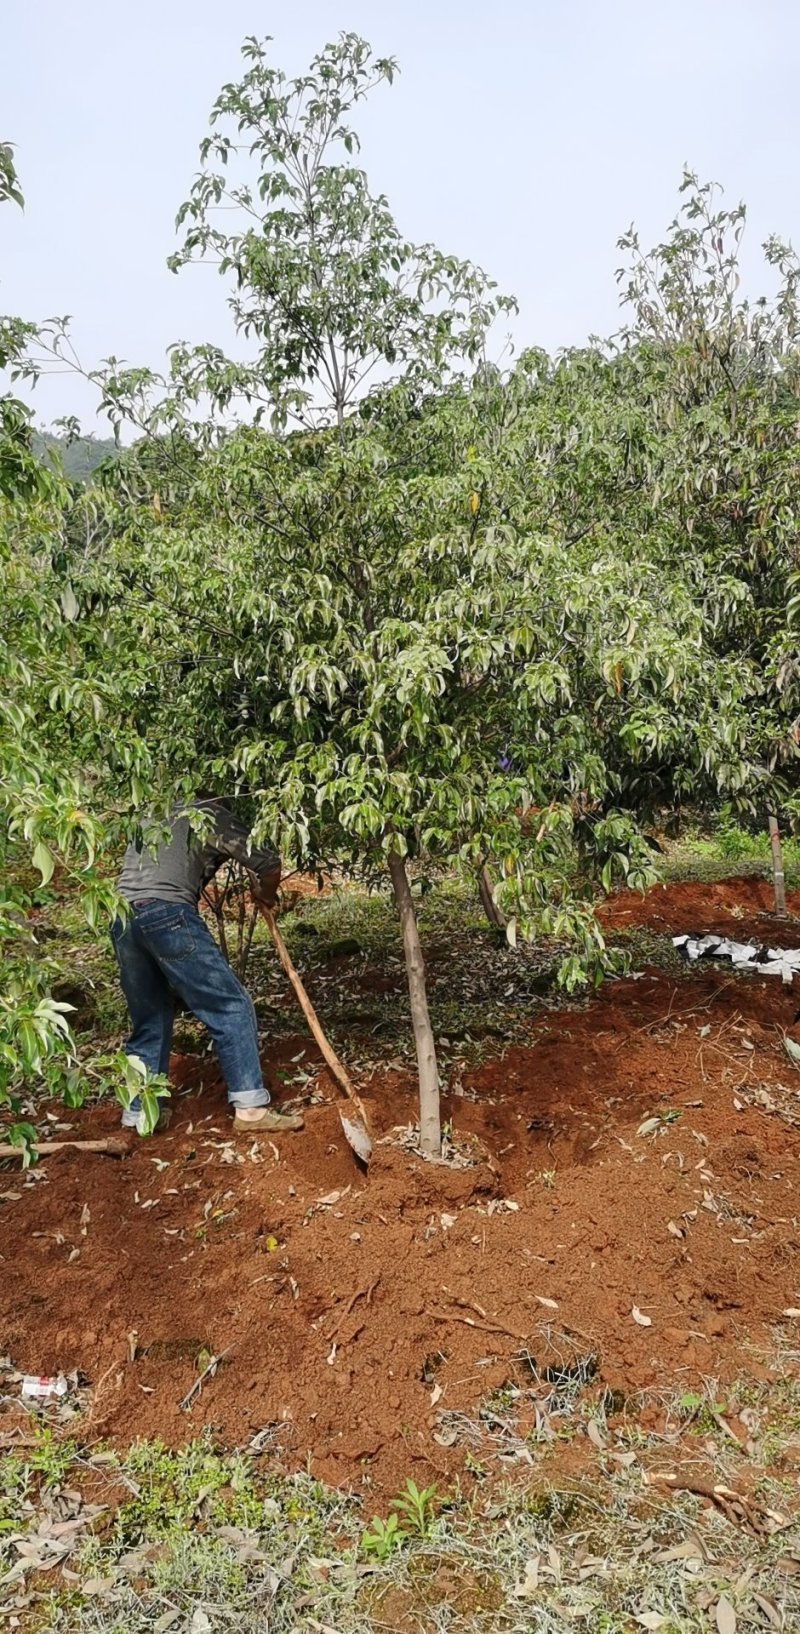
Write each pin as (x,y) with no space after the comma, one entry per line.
(525,134)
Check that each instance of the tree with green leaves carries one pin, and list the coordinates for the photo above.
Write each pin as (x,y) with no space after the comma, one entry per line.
(405,607)
(375,618)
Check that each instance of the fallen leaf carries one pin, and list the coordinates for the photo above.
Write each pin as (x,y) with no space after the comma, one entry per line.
(168,1620)
(642,1320)
(97,1586)
(792,1050)
(595,1435)
(725,1616)
(447,1220)
(436,1394)
(674,1229)
(649,1126)
(651,1619)
(446,1438)
(200,1623)
(688,1550)
(530,1582)
(770,1611)
(792,1310)
(549,1304)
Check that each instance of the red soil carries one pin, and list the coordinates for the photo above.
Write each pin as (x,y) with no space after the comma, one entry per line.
(341,1319)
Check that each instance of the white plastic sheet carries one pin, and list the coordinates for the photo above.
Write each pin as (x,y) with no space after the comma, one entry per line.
(767,961)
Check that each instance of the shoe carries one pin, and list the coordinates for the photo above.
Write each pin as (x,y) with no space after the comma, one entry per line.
(268,1122)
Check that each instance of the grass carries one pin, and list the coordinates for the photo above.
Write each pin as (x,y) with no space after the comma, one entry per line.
(204,1541)
(723,848)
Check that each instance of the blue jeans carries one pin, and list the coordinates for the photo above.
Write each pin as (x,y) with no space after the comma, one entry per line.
(162,949)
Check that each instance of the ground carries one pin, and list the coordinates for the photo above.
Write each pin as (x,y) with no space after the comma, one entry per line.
(601,1283)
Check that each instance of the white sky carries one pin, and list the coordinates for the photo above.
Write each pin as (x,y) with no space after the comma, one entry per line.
(524,134)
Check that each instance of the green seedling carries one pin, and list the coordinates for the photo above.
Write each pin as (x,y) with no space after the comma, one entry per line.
(416,1509)
(382,1537)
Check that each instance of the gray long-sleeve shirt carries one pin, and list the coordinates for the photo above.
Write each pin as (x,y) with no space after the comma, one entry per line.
(184,863)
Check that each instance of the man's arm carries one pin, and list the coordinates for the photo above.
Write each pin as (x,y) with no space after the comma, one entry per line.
(264,867)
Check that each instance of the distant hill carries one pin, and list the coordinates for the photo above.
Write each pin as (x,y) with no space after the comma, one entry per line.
(80,458)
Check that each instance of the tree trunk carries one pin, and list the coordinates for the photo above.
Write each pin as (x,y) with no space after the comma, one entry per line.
(489,905)
(777,867)
(430,1127)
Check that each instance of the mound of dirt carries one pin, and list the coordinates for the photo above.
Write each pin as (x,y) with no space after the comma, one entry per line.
(743,908)
(622,1220)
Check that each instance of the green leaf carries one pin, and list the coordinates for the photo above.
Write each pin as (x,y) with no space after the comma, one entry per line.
(44,860)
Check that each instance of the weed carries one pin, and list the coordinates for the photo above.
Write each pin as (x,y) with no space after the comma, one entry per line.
(416,1509)
(383,1537)
(412,1514)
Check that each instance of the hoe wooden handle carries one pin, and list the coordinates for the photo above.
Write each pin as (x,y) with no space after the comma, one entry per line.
(332,1061)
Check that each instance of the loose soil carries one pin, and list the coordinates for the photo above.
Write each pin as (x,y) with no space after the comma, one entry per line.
(359,1315)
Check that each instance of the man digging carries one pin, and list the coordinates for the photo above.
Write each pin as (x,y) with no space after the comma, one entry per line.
(163,948)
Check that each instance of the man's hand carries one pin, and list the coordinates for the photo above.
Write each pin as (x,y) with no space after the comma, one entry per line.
(265,888)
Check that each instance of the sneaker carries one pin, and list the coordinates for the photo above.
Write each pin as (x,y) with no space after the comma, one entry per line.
(268,1122)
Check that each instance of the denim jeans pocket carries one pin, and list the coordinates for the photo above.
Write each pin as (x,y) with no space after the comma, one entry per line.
(168,932)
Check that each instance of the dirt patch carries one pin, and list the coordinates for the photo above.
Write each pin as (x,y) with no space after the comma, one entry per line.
(624,1161)
(741,908)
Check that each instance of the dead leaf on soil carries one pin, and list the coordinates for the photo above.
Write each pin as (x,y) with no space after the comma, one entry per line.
(725,1616)
(690,1549)
(770,1611)
(529,1585)
(168,1620)
(641,1320)
(595,1435)
(549,1304)
(649,1126)
(97,1587)
(651,1619)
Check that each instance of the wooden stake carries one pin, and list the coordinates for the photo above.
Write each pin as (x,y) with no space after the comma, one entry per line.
(777,867)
